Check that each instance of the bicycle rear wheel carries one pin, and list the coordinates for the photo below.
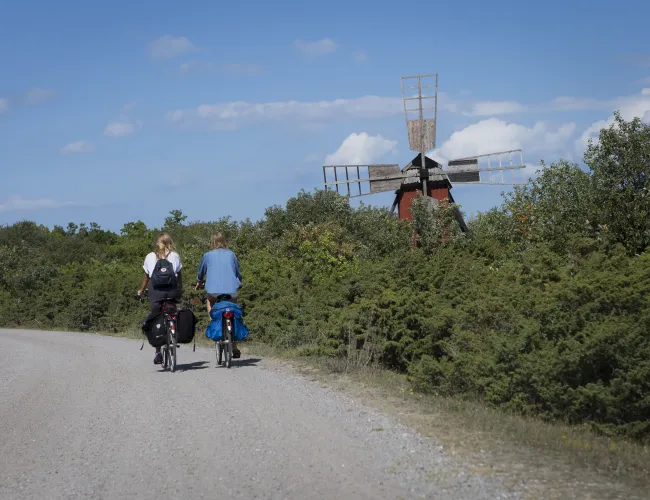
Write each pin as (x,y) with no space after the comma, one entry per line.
(172,352)
(228,346)
(165,356)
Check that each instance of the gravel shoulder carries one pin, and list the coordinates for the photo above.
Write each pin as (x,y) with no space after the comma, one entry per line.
(90,416)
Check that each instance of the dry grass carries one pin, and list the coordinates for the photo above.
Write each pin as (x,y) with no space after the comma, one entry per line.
(548,451)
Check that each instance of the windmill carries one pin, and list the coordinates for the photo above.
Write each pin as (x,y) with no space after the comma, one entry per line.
(422,176)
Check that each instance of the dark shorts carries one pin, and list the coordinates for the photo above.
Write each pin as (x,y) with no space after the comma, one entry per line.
(157,297)
(156,307)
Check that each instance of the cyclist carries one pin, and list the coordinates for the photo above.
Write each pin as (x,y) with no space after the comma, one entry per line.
(223,275)
(164,249)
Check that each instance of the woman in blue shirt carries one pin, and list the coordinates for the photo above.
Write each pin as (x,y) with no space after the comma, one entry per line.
(223,274)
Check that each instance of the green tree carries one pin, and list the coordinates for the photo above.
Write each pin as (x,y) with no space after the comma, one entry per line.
(435,223)
(135,230)
(620,162)
(175,219)
(555,207)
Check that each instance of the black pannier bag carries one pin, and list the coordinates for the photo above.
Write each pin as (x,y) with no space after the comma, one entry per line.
(154,329)
(185,326)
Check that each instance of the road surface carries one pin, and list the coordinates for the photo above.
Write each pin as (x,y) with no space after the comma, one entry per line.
(90,416)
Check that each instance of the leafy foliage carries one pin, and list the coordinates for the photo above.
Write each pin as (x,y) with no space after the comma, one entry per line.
(542,308)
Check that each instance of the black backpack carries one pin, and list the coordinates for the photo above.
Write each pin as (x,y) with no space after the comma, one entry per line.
(162,276)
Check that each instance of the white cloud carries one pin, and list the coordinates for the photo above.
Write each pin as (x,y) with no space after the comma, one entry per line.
(633,106)
(559,104)
(630,107)
(592,132)
(494,135)
(122,127)
(35,95)
(493,108)
(361,149)
(360,55)
(119,129)
(169,46)
(234,115)
(642,81)
(4,105)
(17,202)
(77,147)
(317,48)
(636,105)
(128,107)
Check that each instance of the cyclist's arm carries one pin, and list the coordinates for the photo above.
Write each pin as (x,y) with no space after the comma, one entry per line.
(179,277)
(145,282)
(200,275)
(237,271)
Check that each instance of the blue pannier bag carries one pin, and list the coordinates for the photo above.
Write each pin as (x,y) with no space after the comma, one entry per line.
(213,331)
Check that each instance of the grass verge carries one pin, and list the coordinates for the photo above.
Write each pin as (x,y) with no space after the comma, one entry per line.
(472,429)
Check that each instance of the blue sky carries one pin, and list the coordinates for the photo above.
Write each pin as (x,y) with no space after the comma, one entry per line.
(123,111)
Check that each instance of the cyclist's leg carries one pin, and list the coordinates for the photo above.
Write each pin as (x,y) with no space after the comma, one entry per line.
(211,299)
(156,307)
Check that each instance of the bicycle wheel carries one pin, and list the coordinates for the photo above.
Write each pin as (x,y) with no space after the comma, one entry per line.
(228,347)
(219,350)
(172,351)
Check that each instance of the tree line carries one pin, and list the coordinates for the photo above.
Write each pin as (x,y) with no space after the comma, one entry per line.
(542,307)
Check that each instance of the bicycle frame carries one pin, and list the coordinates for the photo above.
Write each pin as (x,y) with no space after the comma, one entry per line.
(170,317)
(224,345)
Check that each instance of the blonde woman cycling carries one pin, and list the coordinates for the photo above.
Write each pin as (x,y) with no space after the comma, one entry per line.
(154,267)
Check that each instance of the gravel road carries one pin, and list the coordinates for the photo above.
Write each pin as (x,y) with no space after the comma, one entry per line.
(89,416)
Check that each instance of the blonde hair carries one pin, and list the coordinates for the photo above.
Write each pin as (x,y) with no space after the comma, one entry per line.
(217,240)
(164,245)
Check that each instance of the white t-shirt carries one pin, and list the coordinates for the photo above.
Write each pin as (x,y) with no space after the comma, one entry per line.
(151,259)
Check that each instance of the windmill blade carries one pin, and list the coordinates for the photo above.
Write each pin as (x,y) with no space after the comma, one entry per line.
(357,178)
(468,171)
(421,110)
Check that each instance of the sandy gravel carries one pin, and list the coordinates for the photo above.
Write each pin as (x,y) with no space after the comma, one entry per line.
(90,416)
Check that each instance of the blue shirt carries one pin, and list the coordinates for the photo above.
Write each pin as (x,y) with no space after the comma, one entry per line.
(222,269)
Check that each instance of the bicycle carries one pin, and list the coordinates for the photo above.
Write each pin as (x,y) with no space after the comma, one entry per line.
(170,317)
(224,345)
(169,311)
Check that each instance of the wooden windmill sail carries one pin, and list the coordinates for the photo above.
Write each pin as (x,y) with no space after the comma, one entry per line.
(422,175)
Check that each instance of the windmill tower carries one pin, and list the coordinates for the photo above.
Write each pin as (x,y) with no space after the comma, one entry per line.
(422,176)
